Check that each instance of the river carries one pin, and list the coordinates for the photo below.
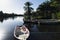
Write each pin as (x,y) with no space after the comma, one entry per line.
(44,32)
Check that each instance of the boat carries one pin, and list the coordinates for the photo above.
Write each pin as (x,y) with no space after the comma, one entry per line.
(21,32)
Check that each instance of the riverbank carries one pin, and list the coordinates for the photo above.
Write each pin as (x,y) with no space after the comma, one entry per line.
(44,21)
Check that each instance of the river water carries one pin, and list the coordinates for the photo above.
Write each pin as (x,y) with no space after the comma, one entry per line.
(41,32)
(8,25)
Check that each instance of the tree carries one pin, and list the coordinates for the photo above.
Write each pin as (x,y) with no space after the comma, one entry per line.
(56,4)
(47,10)
(1,13)
(44,9)
(28,9)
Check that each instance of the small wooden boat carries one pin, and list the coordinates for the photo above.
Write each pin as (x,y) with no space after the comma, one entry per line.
(21,32)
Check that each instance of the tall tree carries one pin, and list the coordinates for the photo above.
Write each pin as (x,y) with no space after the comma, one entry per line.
(56,4)
(47,10)
(28,9)
(44,9)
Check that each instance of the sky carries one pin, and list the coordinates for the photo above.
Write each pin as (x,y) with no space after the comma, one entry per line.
(16,6)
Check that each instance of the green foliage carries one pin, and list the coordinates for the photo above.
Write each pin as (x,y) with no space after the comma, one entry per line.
(28,10)
(58,15)
(47,10)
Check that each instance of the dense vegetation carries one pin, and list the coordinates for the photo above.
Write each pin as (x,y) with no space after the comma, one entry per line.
(4,16)
(8,15)
(46,10)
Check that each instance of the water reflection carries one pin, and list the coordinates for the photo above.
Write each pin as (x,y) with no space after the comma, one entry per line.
(2,34)
(5,18)
(7,27)
(36,30)
(43,27)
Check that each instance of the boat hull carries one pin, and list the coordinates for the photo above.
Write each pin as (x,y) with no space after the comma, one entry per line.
(20,34)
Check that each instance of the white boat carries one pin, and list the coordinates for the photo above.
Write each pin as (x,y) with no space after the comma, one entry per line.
(21,32)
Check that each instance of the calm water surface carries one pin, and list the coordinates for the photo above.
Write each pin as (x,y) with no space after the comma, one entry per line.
(7,27)
(37,32)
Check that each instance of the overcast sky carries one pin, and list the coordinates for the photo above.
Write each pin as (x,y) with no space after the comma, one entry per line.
(16,6)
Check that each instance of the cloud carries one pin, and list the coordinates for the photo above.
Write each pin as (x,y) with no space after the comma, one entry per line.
(10,6)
